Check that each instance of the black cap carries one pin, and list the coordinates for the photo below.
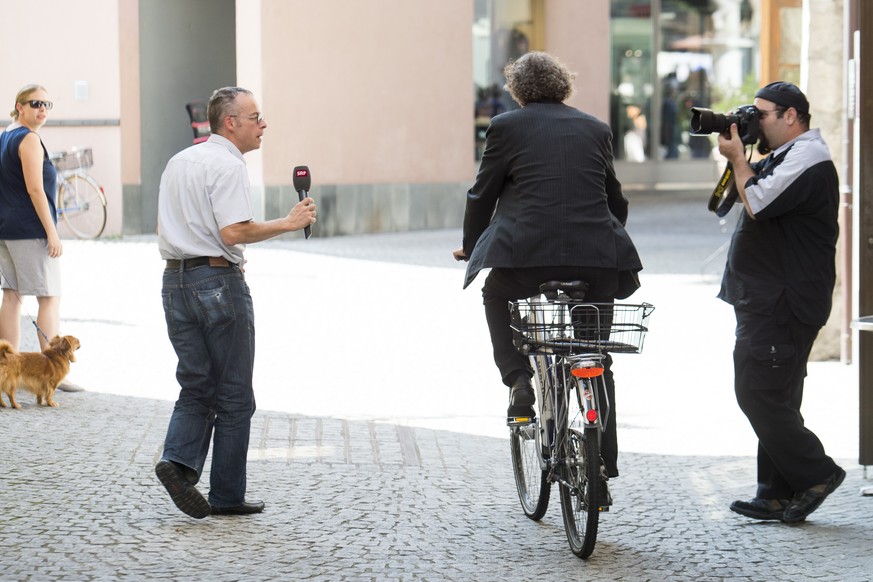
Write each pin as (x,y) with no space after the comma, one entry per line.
(785,95)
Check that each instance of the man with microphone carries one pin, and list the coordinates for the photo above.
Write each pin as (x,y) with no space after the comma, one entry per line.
(204,220)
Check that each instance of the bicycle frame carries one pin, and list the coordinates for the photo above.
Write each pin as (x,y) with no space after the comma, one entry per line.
(62,178)
(555,378)
(554,392)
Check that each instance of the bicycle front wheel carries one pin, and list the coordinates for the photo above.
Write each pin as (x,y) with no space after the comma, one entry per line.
(530,480)
(580,489)
(82,207)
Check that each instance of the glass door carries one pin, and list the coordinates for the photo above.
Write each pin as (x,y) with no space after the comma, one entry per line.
(503,30)
(669,56)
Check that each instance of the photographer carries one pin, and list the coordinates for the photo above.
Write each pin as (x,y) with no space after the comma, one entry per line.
(779,277)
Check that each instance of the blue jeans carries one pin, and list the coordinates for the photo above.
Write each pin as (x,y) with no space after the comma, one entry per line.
(210,321)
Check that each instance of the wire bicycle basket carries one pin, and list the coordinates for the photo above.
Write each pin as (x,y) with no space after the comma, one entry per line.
(578,327)
(72,160)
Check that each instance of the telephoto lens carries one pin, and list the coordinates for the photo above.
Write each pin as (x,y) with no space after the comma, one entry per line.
(747,118)
(706,121)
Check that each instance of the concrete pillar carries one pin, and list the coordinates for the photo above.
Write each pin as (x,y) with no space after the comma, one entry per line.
(822,73)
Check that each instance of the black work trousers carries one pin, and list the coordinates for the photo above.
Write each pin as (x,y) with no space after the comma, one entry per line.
(505,285)
(770,357)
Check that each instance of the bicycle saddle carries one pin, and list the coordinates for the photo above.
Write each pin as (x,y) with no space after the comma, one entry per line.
(574,289)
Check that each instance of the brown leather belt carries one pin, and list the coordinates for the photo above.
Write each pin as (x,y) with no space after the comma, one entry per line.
(177,264)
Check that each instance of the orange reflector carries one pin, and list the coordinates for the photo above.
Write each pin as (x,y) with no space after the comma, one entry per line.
(592,372)
(591,415)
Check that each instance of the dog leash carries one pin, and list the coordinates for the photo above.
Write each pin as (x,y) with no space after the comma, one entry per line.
(39,330)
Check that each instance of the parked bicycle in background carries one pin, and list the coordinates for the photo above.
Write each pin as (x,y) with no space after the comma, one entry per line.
(81,202)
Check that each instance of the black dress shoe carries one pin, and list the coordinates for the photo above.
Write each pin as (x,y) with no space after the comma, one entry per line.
(247,508)
(521,398)
(186,497)
(805,502)
(763,509)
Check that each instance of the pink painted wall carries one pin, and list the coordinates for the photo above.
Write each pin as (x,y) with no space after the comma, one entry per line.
(577,32)
(368,92)
(58,44)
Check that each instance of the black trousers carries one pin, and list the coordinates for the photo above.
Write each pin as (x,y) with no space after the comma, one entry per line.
(770,359)
(505,285)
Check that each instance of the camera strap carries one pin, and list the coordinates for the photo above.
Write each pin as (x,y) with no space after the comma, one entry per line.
(725,194)
(721,203)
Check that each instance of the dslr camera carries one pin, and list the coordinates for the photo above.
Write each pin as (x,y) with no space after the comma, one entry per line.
(747,118)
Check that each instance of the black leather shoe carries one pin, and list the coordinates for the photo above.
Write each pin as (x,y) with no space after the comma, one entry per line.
(805,502)
(247,508)
(763,509)
(186,497)
(521,398)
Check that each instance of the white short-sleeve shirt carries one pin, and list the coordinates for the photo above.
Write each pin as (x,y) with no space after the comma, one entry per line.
(204,188)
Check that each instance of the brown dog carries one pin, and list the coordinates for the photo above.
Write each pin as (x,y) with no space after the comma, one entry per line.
(9,367)
(36,372)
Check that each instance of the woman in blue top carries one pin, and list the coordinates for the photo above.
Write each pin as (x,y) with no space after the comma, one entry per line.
(29,241)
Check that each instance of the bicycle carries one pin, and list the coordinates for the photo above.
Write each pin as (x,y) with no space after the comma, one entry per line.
(567,341)
(81,202)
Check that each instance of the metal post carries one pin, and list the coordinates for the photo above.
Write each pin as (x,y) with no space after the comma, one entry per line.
(864,196)
(847,184)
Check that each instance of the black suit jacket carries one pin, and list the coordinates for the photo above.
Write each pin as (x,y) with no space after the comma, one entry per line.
(546,195)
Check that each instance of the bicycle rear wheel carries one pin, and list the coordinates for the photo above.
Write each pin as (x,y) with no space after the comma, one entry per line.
(82,206)
(580,489)
(531,481)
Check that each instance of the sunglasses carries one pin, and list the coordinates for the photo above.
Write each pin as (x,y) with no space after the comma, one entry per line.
(36,104)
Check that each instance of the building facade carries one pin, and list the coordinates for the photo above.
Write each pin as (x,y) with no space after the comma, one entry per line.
(385,100)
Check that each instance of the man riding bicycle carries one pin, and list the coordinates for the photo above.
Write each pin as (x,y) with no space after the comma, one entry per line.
(546,205)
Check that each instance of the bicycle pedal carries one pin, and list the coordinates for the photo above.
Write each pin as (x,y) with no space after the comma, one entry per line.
(519,420)
(603,508)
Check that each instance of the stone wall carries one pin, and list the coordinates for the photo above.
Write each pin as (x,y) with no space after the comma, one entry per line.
(373,208)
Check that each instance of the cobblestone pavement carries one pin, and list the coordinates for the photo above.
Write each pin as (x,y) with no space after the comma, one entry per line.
(364,500)
(378,444)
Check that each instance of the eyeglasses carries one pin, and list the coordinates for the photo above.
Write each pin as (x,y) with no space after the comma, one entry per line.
(257,118)
(762,113)
(36,104)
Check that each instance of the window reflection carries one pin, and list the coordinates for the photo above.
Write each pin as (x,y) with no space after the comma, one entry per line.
(632,90)
(502,31)
(704,57)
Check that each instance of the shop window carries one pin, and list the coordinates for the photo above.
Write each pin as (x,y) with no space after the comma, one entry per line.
(503,30)
(669,56)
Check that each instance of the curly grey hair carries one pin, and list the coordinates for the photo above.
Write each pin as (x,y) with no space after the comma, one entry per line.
(537,76)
